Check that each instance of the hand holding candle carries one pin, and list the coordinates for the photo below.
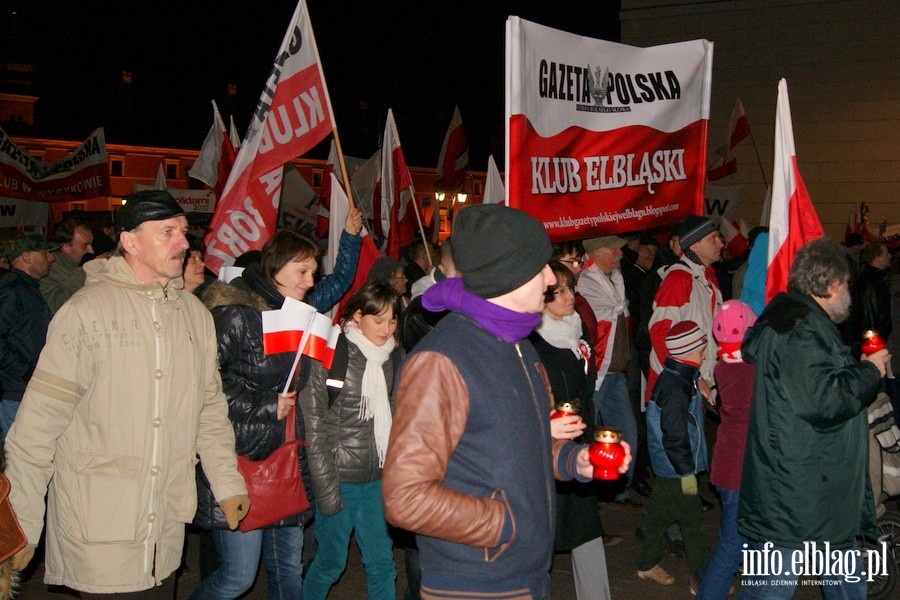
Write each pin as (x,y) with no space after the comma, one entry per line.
(565,423)
(607,454)
(872,346)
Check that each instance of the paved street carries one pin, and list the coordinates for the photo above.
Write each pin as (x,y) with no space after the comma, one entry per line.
(620,560)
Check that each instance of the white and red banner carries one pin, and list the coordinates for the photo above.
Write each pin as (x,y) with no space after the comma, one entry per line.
(792,219)
(217,155)
(603,137)
(293,115)
(453,161)
(398,203)
(82,175)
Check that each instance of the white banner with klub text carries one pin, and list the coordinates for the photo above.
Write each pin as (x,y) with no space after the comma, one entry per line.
(604,137)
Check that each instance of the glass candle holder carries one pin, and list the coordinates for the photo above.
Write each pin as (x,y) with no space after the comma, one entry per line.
(606,453)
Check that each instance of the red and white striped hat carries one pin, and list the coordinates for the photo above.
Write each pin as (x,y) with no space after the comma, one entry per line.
(684,338)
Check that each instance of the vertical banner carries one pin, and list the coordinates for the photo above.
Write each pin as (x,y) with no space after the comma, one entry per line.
(293,115)
(603,137)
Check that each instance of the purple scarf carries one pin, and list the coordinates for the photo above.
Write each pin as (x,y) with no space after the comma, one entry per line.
(507,325)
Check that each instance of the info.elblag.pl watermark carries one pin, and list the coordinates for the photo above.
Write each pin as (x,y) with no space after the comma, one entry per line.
(817,560)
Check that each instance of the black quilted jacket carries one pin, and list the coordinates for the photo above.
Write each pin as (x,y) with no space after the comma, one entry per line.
(251,382)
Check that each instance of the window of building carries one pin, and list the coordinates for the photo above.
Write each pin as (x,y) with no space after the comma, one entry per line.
(115,167)
(317,178)
(478,186)
(171,170)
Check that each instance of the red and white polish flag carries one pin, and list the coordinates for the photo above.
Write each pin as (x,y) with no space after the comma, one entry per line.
(328,359)
(453,161)
(293,114)
(217,155)
(398,221)
(283,328)
(319,332)
(738,130)
(793,221)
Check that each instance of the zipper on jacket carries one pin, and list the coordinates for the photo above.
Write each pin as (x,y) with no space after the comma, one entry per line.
(534,402)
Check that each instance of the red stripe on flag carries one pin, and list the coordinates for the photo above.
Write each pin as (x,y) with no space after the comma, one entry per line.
(281,341)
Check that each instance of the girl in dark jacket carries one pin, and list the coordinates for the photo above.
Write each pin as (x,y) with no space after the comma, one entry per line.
(348,436)
(252,382)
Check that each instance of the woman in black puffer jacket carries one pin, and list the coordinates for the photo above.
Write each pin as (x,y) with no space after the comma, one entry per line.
(252,382)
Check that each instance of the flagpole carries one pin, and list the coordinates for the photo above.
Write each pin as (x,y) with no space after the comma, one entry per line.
(758,161)
(421,227)
(346,177)
(303,339)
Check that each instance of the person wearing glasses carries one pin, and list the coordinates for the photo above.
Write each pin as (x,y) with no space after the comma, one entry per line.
(391,271)
(571,254)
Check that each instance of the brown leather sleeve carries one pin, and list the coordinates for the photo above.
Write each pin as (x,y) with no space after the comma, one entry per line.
(432,410)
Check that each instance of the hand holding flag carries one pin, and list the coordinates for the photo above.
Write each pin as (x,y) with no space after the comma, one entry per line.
(297,327)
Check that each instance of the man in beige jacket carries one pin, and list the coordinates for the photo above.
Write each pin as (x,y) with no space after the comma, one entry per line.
(125,396)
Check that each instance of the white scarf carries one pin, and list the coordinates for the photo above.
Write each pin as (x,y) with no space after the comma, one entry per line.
(565,333)
(374,403)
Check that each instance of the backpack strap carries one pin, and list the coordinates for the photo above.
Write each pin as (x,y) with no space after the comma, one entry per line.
(338,371)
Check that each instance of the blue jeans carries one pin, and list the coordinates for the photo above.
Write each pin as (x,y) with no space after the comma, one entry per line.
(782,586)
(614,410)
(363,512)
(726,560)
(239,554)
(8,410)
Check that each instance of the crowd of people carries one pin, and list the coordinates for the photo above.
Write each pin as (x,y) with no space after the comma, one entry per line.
(132,380)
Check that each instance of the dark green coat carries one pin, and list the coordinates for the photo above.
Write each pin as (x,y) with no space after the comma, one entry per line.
(806,466)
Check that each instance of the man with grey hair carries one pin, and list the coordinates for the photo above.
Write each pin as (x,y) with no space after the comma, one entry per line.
(805,476)
(126,394)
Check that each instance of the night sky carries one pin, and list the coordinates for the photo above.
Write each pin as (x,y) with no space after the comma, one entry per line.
(419,58)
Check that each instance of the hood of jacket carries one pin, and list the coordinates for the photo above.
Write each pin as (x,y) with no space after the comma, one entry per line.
(780,316)
(218,293)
